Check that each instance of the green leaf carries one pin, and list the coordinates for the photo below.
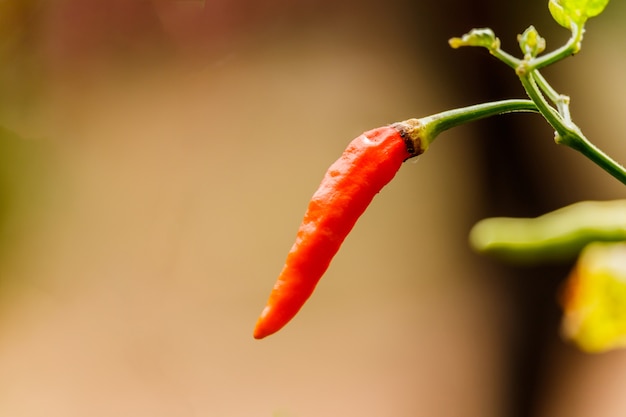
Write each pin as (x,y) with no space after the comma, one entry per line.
(595,7)
(477,37)
(559,14)
(566,12)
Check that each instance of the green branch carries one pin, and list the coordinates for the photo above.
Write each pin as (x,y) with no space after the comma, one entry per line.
(440,122)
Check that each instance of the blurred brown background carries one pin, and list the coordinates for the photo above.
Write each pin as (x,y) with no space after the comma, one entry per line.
(157,157)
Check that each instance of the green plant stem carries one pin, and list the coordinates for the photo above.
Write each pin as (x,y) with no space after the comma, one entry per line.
(437,123)
(505,57)
(523,66)
(538,89)
(561,101)
(567,133)
(570,48)
(535,94)
(547,89)
(545,86)
(577,141)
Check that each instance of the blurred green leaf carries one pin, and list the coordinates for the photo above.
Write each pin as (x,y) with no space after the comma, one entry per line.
(484,37)
(577,11)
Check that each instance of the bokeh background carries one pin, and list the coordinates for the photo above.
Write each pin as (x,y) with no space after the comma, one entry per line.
(157,157)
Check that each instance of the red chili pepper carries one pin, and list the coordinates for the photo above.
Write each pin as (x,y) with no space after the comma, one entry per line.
(365,167)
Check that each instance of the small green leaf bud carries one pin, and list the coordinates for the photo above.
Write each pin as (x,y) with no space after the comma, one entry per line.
(531,43)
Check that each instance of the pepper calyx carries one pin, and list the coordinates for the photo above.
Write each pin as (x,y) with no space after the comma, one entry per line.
(412,132)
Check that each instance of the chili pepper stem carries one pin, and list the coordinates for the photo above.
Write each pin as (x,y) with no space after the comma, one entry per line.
(423,131)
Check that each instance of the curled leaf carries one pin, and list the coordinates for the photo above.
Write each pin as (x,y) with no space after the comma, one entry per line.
(483,37)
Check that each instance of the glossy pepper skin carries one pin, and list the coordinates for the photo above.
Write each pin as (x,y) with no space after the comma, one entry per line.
(368,164)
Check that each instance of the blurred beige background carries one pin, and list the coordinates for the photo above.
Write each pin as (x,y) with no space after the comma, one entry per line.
(171,150)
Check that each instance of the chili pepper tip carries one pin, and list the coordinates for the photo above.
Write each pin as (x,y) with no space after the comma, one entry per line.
(261,329)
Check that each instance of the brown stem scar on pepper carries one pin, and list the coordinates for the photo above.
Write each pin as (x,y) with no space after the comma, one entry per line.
(411,131)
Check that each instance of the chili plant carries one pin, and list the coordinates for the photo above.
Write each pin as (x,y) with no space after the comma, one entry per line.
(593,317)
